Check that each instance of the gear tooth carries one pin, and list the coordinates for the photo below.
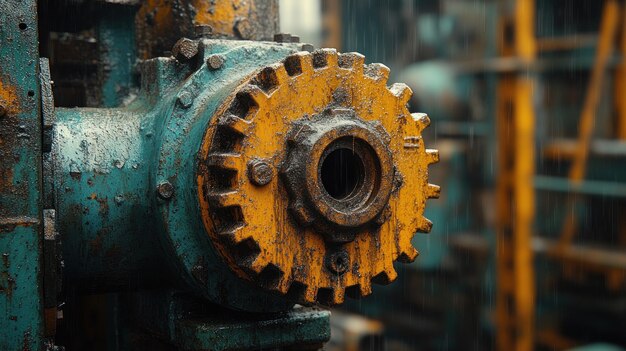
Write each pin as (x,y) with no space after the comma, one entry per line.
(338,296)
(310,294)
(325,58)
(402,92)
(432,156)
(272,77)
(230,161)
(254,93)
(391,274)
(233,233)
(298,63)
(408,255)
(225,199)
(365,287)
(353,61)
(234,123)
(283,284)
(433,191)
(378,72)
(258,264)
(425,225)
(387,276)
(422,119)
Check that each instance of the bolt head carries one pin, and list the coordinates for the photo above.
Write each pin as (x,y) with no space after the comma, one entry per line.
(260,172)
(215,62)
(185,49)
(307,47)
(203,31)
(165,190)
(282,38)
(243,29)
(185,99)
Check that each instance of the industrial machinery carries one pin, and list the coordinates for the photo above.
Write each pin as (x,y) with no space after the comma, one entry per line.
(226,175)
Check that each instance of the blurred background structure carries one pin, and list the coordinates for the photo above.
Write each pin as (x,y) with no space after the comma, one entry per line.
(528,103)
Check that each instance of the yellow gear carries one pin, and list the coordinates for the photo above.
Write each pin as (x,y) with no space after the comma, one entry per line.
(265,202)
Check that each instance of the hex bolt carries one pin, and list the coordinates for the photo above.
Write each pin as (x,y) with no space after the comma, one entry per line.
(185,49)
(203,31)
(243,29)
(307,47)
(338,262)
(282,38)
(185,99)
(215,62)
(260,172)
(165,190)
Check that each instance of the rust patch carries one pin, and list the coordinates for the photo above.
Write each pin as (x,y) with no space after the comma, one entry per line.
(8,224)
(8,99)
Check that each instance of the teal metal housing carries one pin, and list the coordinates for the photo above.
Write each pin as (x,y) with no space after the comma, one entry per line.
(117,230)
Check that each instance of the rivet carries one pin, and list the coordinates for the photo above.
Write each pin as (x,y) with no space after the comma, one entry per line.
(260,172)
(165,190)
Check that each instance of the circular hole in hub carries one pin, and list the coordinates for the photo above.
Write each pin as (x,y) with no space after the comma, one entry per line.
(342,173)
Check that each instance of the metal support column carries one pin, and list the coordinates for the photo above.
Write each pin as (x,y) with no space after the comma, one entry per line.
(515,194)
(21,305)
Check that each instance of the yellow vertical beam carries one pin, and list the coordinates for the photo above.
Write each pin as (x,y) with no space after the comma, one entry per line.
(515,193)
(524,172)
(608,31)
(620,82)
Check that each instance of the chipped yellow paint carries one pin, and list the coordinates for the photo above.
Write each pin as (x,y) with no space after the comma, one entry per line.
(281,96)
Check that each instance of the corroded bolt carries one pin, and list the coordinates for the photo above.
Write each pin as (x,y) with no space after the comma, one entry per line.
(185,49)
(243,28)
(185,99)
(165,190)
(215,62)
(203,31)
(260,172)
(338,262)
(307,47)
(282,38)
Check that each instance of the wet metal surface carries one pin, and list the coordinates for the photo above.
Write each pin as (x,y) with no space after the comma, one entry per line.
(21,320)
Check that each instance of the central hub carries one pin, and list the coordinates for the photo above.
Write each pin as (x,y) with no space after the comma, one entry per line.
(338,172)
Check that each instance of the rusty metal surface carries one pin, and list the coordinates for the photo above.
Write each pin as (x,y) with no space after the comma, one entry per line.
(21,320)
(294,234)
(160,23)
